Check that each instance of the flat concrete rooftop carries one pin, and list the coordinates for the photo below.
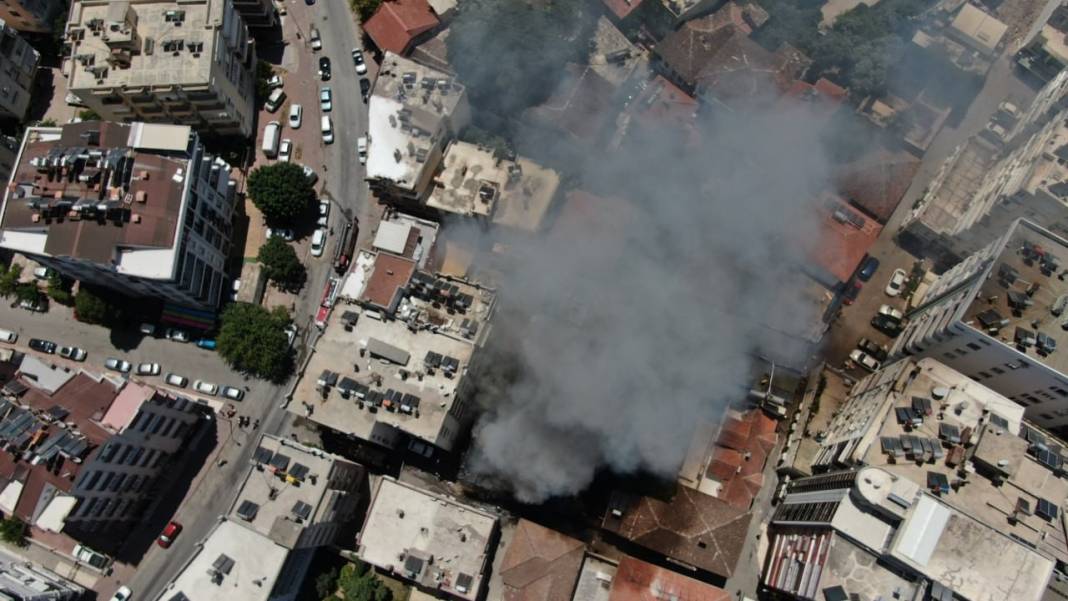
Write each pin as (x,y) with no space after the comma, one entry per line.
(434,541)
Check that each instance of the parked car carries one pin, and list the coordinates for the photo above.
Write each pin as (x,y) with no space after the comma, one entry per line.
(148,369)
(274,82)
(169,533)
(318,242)
(206,343)
(877,351)
(326,98)
(123,594)
(206,387)
(177,335)
(357,60)
(296,115)
(324,213)
(73,353)
(234,394)
(120,365)
(285,150)
(316,41)
(291,333)
(891,312)
(887,325)
(281,232)
(361,149)
(235,287)
(272,134)
(86,555)
(148,329)
(43,346)
(175,380)
(327,127)
(43,273)
(310,174)
(896,283)
(8,336)
(324,68)
(275,100)
(864,360)
(365,88)
(39,305)
(867,269)
(852,291)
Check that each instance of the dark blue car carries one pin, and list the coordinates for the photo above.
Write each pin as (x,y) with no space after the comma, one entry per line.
(867,269)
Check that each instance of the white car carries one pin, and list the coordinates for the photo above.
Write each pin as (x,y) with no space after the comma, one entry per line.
(234,394)
(316,41)
(120,365)
(291,333)
(274,82)
(234,289)
(324,212)
(326,98)
(86,555)
(176,380)
(177,335)
(282,232)
(296,116)
(42,273)
(73,353)
(864,360)
(148,369)
(357,59)
(285,150)
(361,149)
(891,312)
(318,243)
(205,387)
(310,174)
(123,594)
(896,283)
(327,127)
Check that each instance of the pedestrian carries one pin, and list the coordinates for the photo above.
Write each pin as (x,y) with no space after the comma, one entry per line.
(247,388)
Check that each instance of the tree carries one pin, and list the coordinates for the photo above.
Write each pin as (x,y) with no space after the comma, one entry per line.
(326,583)
(281,191)
(59,289)
(252,340)
(28,292)
(90,308)
(264,72)
(281,265)
(365,8)
(13,531)
(88,115)
(9,280)
(530,43)
(358,583)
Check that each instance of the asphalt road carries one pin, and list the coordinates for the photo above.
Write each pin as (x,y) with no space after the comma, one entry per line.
(212,492)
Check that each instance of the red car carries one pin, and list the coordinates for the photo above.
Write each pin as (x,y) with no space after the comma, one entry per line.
(170,533)
(852,290)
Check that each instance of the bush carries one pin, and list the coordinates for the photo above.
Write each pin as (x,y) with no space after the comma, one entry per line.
(59,289)
(9,280)
(88,115)
(358,583)
(365,8)
(13,531)
(28,292)
(91,308)
(281,191)
(251,340)
(281,265)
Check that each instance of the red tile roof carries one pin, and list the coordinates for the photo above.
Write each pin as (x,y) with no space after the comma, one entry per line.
(693,528)
(636,580)
(396,24)
(844,239)
(739,456)
(540,564)
(622,8)
(390,274)
(877,181)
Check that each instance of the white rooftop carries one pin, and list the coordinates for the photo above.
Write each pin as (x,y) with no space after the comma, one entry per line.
(433,540)
(245,563)
(392,237)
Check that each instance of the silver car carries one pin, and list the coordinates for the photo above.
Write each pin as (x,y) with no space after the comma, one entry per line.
(206,387)
(148,369)
(73,353)
(120,365)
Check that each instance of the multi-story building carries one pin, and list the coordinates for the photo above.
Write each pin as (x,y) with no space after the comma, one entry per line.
(412,113)
(257,14)
(18,67)
(27,581)
(996,317)
(437,543)
(139,208)
(32,16)
(1046,54)
(164,61)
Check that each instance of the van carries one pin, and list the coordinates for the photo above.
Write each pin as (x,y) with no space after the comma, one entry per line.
(328,129)
(275,100)
(271,134)
(8,336)
(318,242)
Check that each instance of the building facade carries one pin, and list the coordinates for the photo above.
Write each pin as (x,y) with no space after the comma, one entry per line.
(257,14)
(189,63)
(31,16)
(139,208)
(18,68)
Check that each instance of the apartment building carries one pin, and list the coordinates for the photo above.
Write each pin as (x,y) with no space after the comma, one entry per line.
(31,16)
(140,208)
(1046,53)
(412,113)
(18,68)
(257,14)
(190,63)
(27,581)
(997,318)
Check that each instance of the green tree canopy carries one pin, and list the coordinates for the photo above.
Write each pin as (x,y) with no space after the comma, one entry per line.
(9,280)
(28,291)
(13,531)
(365,8)
(251,339)
(530,43)
(358,583)
(281,191)
(59,289)
(281,265)
(91,308)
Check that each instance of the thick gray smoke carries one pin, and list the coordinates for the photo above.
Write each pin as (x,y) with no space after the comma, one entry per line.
(637,316)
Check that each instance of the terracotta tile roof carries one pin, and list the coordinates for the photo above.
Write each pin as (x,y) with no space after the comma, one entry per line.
(693,528)
(636,580)
(622,8)
(540,564)
(389,276)
(877,181)
(396,24)
(845,238)
(739,456)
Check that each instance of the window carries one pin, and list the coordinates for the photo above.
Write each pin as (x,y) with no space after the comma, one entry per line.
(974,346)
